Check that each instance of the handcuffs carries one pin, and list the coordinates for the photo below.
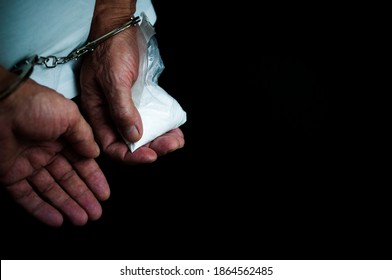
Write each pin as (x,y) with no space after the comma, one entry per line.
(24,68)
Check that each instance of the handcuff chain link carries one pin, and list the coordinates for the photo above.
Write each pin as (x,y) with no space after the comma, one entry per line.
(52,61)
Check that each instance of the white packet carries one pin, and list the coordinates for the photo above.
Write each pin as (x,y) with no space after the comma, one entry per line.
(159,111)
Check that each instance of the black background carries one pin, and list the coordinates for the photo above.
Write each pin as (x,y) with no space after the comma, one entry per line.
(276,163)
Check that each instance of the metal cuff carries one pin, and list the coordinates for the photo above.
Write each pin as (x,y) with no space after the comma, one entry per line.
(23,71)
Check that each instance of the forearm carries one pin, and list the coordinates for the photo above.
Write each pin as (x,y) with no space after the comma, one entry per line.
(109,14)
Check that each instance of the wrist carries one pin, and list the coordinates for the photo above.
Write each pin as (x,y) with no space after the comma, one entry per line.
(109,14)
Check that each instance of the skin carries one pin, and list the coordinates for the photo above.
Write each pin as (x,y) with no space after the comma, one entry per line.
(107,76)
(47,157)
(49,147)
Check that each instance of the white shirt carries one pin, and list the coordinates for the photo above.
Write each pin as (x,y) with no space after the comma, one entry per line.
(50,27)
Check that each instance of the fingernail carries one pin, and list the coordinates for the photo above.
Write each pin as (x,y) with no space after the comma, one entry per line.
(133,133)
(97,148)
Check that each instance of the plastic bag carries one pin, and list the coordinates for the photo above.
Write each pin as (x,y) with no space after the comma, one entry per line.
(159,111)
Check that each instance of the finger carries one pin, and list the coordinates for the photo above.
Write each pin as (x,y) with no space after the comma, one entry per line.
(90,172)
(39,156)
(79,133)
(168,142)
(52,191)
(164,144)
(77,191)
(107,135)
(25,196)
(120,151)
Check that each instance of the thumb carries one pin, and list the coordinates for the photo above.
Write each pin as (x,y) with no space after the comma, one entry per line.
(125,115)
(80,135)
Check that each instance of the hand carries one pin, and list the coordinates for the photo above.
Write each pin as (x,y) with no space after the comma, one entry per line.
(107,76)
(47,157)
